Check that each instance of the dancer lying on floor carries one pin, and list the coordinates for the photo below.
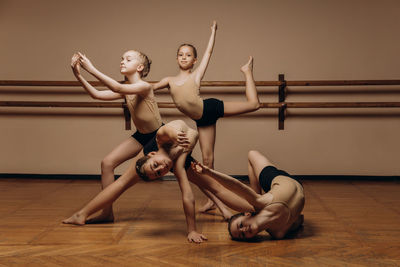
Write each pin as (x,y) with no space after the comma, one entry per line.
(278,211)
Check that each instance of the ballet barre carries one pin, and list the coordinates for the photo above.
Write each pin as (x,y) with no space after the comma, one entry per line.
(280,82)
(281,105)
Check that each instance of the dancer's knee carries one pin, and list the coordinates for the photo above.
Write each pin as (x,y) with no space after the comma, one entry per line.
(252,155)
(208,160)
(258,160)
(107,164)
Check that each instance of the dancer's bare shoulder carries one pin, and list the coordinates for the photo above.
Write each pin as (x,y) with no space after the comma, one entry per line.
(264,200)
(178,125)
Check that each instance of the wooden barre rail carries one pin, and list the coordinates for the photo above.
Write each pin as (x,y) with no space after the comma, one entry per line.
(281,105)
(57,104)
(218,83)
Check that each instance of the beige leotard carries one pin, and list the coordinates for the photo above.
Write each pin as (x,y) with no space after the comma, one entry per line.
(144,112)
(187,98)
(288,192)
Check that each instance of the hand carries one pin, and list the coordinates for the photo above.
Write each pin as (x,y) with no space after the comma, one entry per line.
(74,60)
(199,168)
(182,140)
(75,65)
(195,237)
(85,62)
(214,26)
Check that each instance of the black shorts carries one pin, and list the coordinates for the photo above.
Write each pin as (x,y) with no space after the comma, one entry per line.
(143,139)
(152,146)
(268,174)
(213,109)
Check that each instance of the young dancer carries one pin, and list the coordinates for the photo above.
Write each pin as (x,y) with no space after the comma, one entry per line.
(173,142)
(185,92)
(140,99)
(278,211)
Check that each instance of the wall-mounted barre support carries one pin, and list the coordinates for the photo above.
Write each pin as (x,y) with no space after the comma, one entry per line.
(281,98)
(127,116)
(281,116)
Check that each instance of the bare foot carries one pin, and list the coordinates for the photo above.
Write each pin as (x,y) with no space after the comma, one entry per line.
(76,219)
(248,67)
(208,206)
(102,218)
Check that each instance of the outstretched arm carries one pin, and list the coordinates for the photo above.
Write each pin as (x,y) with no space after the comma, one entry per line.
(232,184)
(163,83)
(137,88)
(201,69)
(93,92)
(188,200)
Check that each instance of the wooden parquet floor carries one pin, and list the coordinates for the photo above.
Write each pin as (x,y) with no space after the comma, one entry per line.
(347,223)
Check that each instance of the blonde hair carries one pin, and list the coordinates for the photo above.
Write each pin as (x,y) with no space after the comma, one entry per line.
(146,61)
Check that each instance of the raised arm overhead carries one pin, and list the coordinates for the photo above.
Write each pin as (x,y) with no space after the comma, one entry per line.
(201,69)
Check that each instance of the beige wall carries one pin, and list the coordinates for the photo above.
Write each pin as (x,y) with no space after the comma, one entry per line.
(306,40)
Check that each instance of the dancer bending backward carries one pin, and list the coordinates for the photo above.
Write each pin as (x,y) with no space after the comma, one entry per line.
(173,142)
(140,99)
(185,92)
(278,211)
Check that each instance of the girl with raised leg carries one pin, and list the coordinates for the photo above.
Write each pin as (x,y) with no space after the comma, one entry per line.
(185,92)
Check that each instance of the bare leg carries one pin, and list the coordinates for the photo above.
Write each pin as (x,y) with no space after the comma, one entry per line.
(226,213)
(207,144)
(229,198)
(106,197)
(254,180)
(124,151)
(252,103)
(258,162)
